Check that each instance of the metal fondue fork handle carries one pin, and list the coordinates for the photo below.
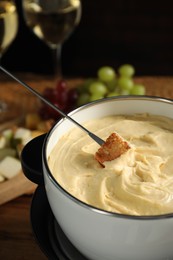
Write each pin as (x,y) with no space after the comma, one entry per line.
(92,135)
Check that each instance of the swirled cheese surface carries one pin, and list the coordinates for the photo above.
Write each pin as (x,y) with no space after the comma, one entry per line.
(139,182)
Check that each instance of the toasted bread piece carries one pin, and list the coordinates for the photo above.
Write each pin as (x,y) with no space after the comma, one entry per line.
(113,147)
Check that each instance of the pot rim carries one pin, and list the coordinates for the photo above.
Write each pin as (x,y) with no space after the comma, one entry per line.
(76,200)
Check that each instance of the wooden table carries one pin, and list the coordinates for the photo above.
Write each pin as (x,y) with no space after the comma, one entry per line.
(16,238)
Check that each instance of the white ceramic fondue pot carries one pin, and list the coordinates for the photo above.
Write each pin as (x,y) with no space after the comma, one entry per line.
(98,234)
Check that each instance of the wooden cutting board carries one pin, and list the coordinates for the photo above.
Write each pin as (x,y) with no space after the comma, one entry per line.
(15,187)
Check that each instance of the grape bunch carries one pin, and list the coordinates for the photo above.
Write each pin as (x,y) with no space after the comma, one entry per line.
(108,83)
(62,96)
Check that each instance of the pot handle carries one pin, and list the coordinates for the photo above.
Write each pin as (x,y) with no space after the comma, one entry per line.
(31,160)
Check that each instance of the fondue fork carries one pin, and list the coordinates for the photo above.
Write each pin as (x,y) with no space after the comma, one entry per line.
(97,139)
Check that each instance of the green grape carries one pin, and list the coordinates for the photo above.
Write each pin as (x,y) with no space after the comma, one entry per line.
(111,85)
(124,92)
(98,88)
(87,84)
(84,87)
(107,84)
(125,83)
(113,94)
(126,70)
(83,99)
(106,74)
(95,96)
(138,89)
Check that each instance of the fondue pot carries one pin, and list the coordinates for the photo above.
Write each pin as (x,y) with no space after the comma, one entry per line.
(98,234)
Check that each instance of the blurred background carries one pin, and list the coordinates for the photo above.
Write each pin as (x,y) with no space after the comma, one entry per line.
(111,32)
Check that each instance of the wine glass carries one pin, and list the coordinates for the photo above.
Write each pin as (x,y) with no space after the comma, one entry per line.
(53,22)
(8,31)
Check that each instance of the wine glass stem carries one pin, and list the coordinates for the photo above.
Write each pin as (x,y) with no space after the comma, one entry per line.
(57,62)
(3,105)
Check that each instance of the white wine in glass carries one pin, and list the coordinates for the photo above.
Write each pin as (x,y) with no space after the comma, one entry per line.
(8,31)
(52,21)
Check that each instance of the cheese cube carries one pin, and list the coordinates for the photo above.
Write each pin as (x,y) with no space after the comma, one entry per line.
(2,178)
(8,133)
(24,134)
(10,167)
(2,141)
